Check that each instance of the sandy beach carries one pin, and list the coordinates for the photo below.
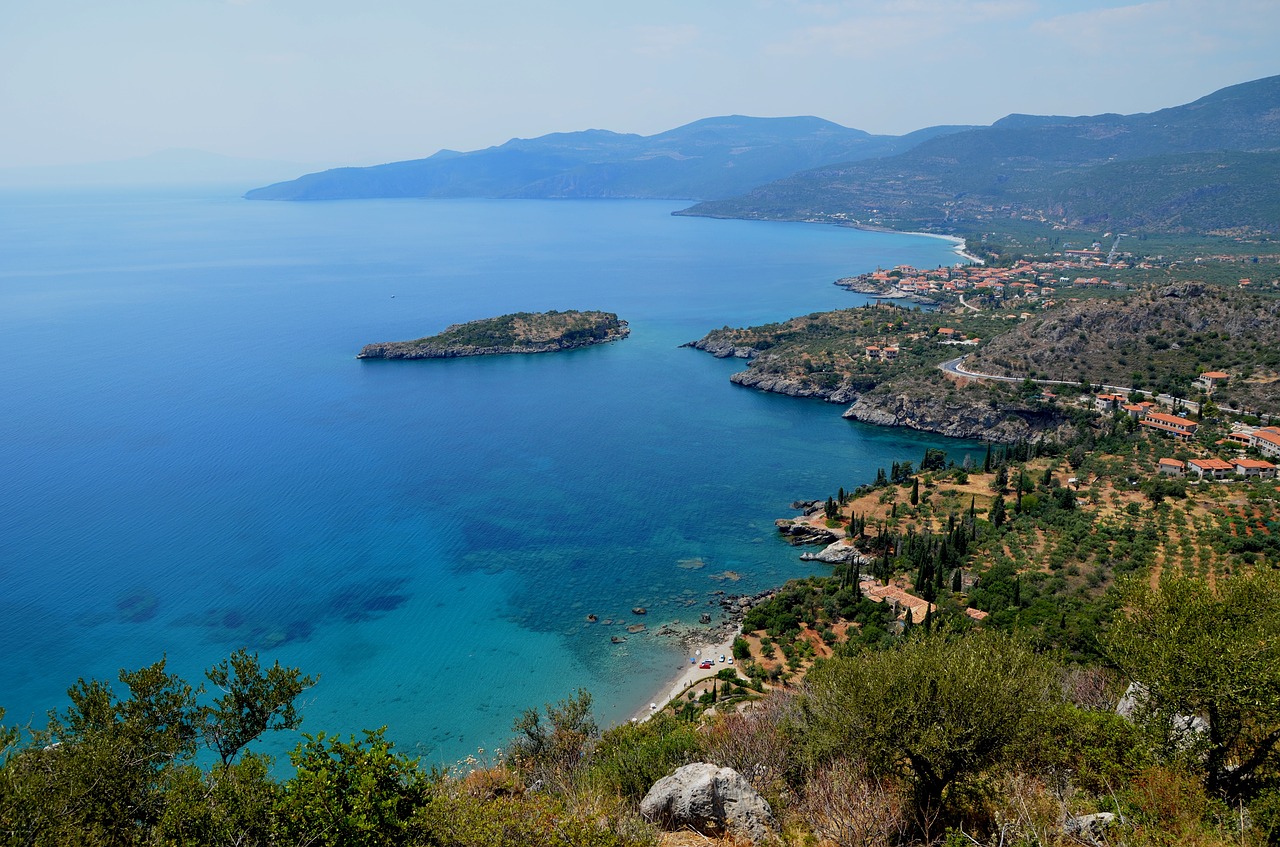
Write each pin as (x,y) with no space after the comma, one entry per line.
(689,674)
(954,239)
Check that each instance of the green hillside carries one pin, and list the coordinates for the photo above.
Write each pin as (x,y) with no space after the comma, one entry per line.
(1208,166)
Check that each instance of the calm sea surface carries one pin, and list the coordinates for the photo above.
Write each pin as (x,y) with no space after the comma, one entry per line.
(192,460)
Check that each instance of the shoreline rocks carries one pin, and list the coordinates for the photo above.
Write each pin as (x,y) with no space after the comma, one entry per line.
(799,533)
(835,553)
(967,418)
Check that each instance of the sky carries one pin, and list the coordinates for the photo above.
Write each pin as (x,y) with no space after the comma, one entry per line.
(340,82)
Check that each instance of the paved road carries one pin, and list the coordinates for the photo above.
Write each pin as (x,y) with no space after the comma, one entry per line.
(956,366)
(967,306)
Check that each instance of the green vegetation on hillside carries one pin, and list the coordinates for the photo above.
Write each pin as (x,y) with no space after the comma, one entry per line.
(1161,339)
(826,352)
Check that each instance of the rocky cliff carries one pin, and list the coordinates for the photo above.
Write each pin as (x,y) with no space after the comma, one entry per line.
(960,414)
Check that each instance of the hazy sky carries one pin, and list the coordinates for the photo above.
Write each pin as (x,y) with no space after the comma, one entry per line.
(333,81)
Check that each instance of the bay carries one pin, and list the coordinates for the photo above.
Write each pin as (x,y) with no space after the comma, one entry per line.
(192,460)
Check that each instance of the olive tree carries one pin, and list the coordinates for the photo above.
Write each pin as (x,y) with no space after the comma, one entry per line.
(1211,652)
(937,710)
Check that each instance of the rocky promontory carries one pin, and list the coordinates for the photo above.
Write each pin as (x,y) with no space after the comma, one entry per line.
(521,332)
(882,363)
(959,414)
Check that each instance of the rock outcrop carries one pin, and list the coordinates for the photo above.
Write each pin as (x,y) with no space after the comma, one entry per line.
(721,348)
(958,416)
(835,553)
(792,386)
(802,532)
(708,799)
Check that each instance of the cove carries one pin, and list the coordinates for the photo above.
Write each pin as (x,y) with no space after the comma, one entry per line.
(192,459)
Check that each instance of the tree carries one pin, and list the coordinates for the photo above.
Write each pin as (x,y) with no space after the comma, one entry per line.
(938,710)
(100,768)
(1211,653)
(915,491)
(356,792)
(253,702)
(121,769)
(934,459)
(997,513)
(555,748)
(1001,481)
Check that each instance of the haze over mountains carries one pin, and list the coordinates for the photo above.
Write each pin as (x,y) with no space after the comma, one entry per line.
(1210,166)
(707,159)
(174,167)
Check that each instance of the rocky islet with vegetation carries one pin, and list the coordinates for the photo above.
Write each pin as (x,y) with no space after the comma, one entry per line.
(520,332)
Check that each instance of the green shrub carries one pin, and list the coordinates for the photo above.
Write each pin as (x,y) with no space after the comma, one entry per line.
(630,758)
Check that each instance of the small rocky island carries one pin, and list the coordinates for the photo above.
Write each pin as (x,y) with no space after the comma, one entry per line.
(521,332)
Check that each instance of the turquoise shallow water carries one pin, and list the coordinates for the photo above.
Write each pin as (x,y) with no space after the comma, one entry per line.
(191,459)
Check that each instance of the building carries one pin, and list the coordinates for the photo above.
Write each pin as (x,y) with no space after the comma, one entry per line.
(1174,425)
(1243,439)
(1255,467)
(1266,441)
(1212,468)
(876,353)
(1108,402)
(1210,380)
(1171,467)
(900,601)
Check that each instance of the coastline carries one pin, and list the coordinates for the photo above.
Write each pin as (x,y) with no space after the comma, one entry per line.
(956,240)
(686,677)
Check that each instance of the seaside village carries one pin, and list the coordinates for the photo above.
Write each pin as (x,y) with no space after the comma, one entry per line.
(1036,282)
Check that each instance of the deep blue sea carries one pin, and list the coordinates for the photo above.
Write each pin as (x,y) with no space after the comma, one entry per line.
(192,460)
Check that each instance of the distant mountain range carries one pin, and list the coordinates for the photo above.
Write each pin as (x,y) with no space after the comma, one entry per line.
(1212,166)
(707,159)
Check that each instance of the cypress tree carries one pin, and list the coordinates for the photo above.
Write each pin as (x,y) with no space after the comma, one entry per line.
(997,513)
(915,491)
(956,580)
(986,463)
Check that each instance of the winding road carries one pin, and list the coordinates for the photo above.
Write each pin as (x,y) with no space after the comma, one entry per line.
(956,367)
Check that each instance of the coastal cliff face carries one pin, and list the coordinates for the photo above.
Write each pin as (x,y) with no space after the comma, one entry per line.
(522,332)
(793,385)
(722,348)
(960,416)
(925,407)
